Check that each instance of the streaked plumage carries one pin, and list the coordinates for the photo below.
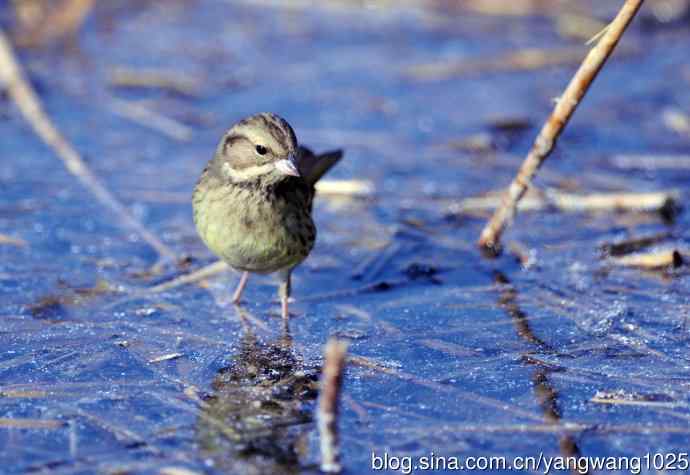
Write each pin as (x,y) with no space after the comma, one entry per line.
(252,204)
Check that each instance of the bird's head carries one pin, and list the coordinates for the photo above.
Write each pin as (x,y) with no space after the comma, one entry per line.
(260,147)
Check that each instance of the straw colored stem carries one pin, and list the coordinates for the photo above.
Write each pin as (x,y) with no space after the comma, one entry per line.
(329,400)
(656,201)
(146,117)
(667,258)
(13,79)
(489,240)
(205,272)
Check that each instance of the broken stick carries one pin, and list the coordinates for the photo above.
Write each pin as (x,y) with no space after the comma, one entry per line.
(12,79)
(489,240)
(329,400)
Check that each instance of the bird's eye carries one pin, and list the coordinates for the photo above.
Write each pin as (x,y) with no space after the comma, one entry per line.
(261,150)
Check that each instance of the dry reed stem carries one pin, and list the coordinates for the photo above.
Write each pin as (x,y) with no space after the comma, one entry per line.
(353,188)
(149,118)
(489,240)
(528,59)
(653,201)
(514,7)
(12,241)
(167,357)
(329,401)
(121,434)
(563,427)
(207,271)
(651,162)
(178,471)
(13,79)
(634,244)
(246,317)
(25,394)
(569,202)
(652,260)
(42,424)
(628,402)
(155,79)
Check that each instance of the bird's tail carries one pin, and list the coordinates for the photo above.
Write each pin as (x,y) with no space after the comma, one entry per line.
(312,167)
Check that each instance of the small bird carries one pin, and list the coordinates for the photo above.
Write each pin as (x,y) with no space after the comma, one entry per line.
(253,202)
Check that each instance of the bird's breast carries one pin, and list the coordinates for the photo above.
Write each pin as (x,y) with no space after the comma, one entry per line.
(254,228)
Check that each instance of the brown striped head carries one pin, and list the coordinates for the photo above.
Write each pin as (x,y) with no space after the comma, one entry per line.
(262,146)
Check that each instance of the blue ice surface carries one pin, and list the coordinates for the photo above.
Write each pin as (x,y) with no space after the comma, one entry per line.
(466,356)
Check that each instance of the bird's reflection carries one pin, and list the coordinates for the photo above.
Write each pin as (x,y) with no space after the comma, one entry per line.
(257,419)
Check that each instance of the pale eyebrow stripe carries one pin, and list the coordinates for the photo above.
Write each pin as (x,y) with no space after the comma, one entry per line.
(247,173)
(234,138)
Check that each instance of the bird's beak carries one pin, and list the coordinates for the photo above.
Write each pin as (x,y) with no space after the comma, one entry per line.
(288,166)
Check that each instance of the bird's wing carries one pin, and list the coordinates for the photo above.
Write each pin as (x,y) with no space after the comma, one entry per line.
(312,167)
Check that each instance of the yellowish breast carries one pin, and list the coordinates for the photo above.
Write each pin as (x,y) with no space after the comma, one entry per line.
(252,232)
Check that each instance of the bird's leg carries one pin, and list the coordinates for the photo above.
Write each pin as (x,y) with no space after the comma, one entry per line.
(240,288)
(284,291)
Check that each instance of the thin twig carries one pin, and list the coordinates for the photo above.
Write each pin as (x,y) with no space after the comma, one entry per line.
(12,241)
(354,188)
(155,79)
(563,427)
(9,423)
(178,471)
(245,317)
(490,237)
(120,433)
(207,271)
(13,79)
(166,357)
(653,201)
(665,258)
(149,118)
(329,400)
(634,244)
(528,59)
(627,402)
(651,162)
